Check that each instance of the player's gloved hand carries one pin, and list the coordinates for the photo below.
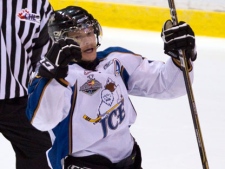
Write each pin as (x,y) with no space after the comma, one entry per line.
(176,38)
(55,63)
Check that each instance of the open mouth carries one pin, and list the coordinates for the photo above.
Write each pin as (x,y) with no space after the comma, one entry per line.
(89,50)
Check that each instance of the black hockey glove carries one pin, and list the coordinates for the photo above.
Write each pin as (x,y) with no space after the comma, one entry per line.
(55,63)
(176,38)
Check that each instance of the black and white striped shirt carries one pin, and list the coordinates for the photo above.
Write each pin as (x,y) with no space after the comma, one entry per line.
(24,40)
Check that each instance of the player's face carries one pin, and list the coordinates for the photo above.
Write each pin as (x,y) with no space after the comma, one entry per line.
(87,41)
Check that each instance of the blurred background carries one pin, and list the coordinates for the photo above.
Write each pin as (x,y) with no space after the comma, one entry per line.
(205,16)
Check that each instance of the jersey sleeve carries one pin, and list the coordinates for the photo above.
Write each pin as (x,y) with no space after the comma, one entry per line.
(155,79)
(48,103)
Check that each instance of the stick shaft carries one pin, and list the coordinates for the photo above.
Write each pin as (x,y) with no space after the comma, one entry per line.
(190,94)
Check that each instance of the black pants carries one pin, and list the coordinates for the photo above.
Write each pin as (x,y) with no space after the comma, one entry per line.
(29,144)
(100,162)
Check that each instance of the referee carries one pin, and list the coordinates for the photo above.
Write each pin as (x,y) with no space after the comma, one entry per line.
(24,40)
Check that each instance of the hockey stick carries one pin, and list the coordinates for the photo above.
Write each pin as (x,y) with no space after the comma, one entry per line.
(188,86)
(96,120)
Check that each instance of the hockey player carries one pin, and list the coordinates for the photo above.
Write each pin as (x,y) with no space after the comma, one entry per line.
(82,94)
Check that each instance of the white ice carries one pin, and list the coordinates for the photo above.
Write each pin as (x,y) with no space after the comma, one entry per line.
(164,129)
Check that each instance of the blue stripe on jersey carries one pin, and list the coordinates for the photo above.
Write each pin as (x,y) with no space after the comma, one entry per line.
(35,90)
(125,76)
(107,51)
(60,147)
(102,54)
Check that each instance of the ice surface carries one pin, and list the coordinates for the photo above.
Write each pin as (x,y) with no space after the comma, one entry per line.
(164,128)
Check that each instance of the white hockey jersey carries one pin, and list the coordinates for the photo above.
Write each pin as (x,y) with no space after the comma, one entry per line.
(92,115)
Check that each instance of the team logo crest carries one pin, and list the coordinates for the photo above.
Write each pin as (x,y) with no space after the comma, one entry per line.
(111,112)
(91,86)
(26,15)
